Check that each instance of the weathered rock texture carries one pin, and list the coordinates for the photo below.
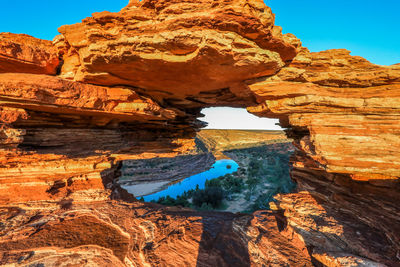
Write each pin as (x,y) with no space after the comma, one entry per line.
(69,134)
(25,54)
(123,234)
(131,85)
(343,113)
(348,106)
(164,48)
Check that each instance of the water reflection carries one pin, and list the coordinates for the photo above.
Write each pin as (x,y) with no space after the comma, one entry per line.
(220,168)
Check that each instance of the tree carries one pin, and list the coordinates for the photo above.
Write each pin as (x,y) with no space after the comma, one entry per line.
(210,195)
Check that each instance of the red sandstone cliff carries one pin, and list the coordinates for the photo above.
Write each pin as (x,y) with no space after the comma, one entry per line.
(131,84)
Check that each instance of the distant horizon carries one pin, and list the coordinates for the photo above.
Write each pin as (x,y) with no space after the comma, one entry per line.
(221,118)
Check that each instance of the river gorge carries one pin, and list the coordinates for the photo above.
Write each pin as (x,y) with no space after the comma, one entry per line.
(218,169)
(130,86)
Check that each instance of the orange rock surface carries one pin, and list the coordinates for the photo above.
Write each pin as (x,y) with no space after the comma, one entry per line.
(131,85)
(149,44)
(349,107)
(343,114)
(112,233)
(25,54)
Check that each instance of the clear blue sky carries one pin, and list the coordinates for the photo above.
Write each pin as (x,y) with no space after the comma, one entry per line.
(369,28)
(41,18)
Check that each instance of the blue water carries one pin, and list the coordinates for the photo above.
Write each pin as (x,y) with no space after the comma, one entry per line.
(218,169)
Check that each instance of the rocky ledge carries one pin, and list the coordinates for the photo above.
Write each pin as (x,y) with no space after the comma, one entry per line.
(131,85)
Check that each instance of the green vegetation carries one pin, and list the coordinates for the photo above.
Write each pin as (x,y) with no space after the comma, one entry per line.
(267,173)
(264,173)
(169,201)
(209,198)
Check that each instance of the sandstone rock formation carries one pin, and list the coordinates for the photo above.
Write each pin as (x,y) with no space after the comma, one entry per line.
(130,85)
(133,234)
(25,54)
(164,48)
(347,105)
(342,112)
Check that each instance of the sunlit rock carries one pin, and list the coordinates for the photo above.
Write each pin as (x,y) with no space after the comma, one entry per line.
(131,86)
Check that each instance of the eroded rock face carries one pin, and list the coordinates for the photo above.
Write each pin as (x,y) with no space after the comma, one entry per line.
(343,114)
(25,54)
(349,106)
(132,85)
(122,234)
(69,134)
(150,44)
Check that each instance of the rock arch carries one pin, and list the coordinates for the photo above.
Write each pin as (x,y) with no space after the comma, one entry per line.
(131,85)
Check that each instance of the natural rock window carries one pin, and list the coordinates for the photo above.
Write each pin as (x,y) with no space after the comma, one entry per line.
(251,167)
(130,86)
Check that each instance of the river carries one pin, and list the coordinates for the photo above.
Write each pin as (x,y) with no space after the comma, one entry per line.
(218,169)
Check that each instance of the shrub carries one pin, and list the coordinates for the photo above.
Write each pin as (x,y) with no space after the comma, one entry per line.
(182,201)
(210,195)
(233,184)
(205,206)
(252,183)
(213,183)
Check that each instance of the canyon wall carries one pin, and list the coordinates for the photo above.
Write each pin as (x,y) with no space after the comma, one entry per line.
(343,113)
(131,85)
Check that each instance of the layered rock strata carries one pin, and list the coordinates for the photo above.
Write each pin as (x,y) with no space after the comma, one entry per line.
(347,105)
(343,114)
(130,85)
(164,48)
(25,54)
(165,169)
(112,233)
(61,137)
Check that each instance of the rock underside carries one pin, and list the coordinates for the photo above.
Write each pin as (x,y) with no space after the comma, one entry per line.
(131,85)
